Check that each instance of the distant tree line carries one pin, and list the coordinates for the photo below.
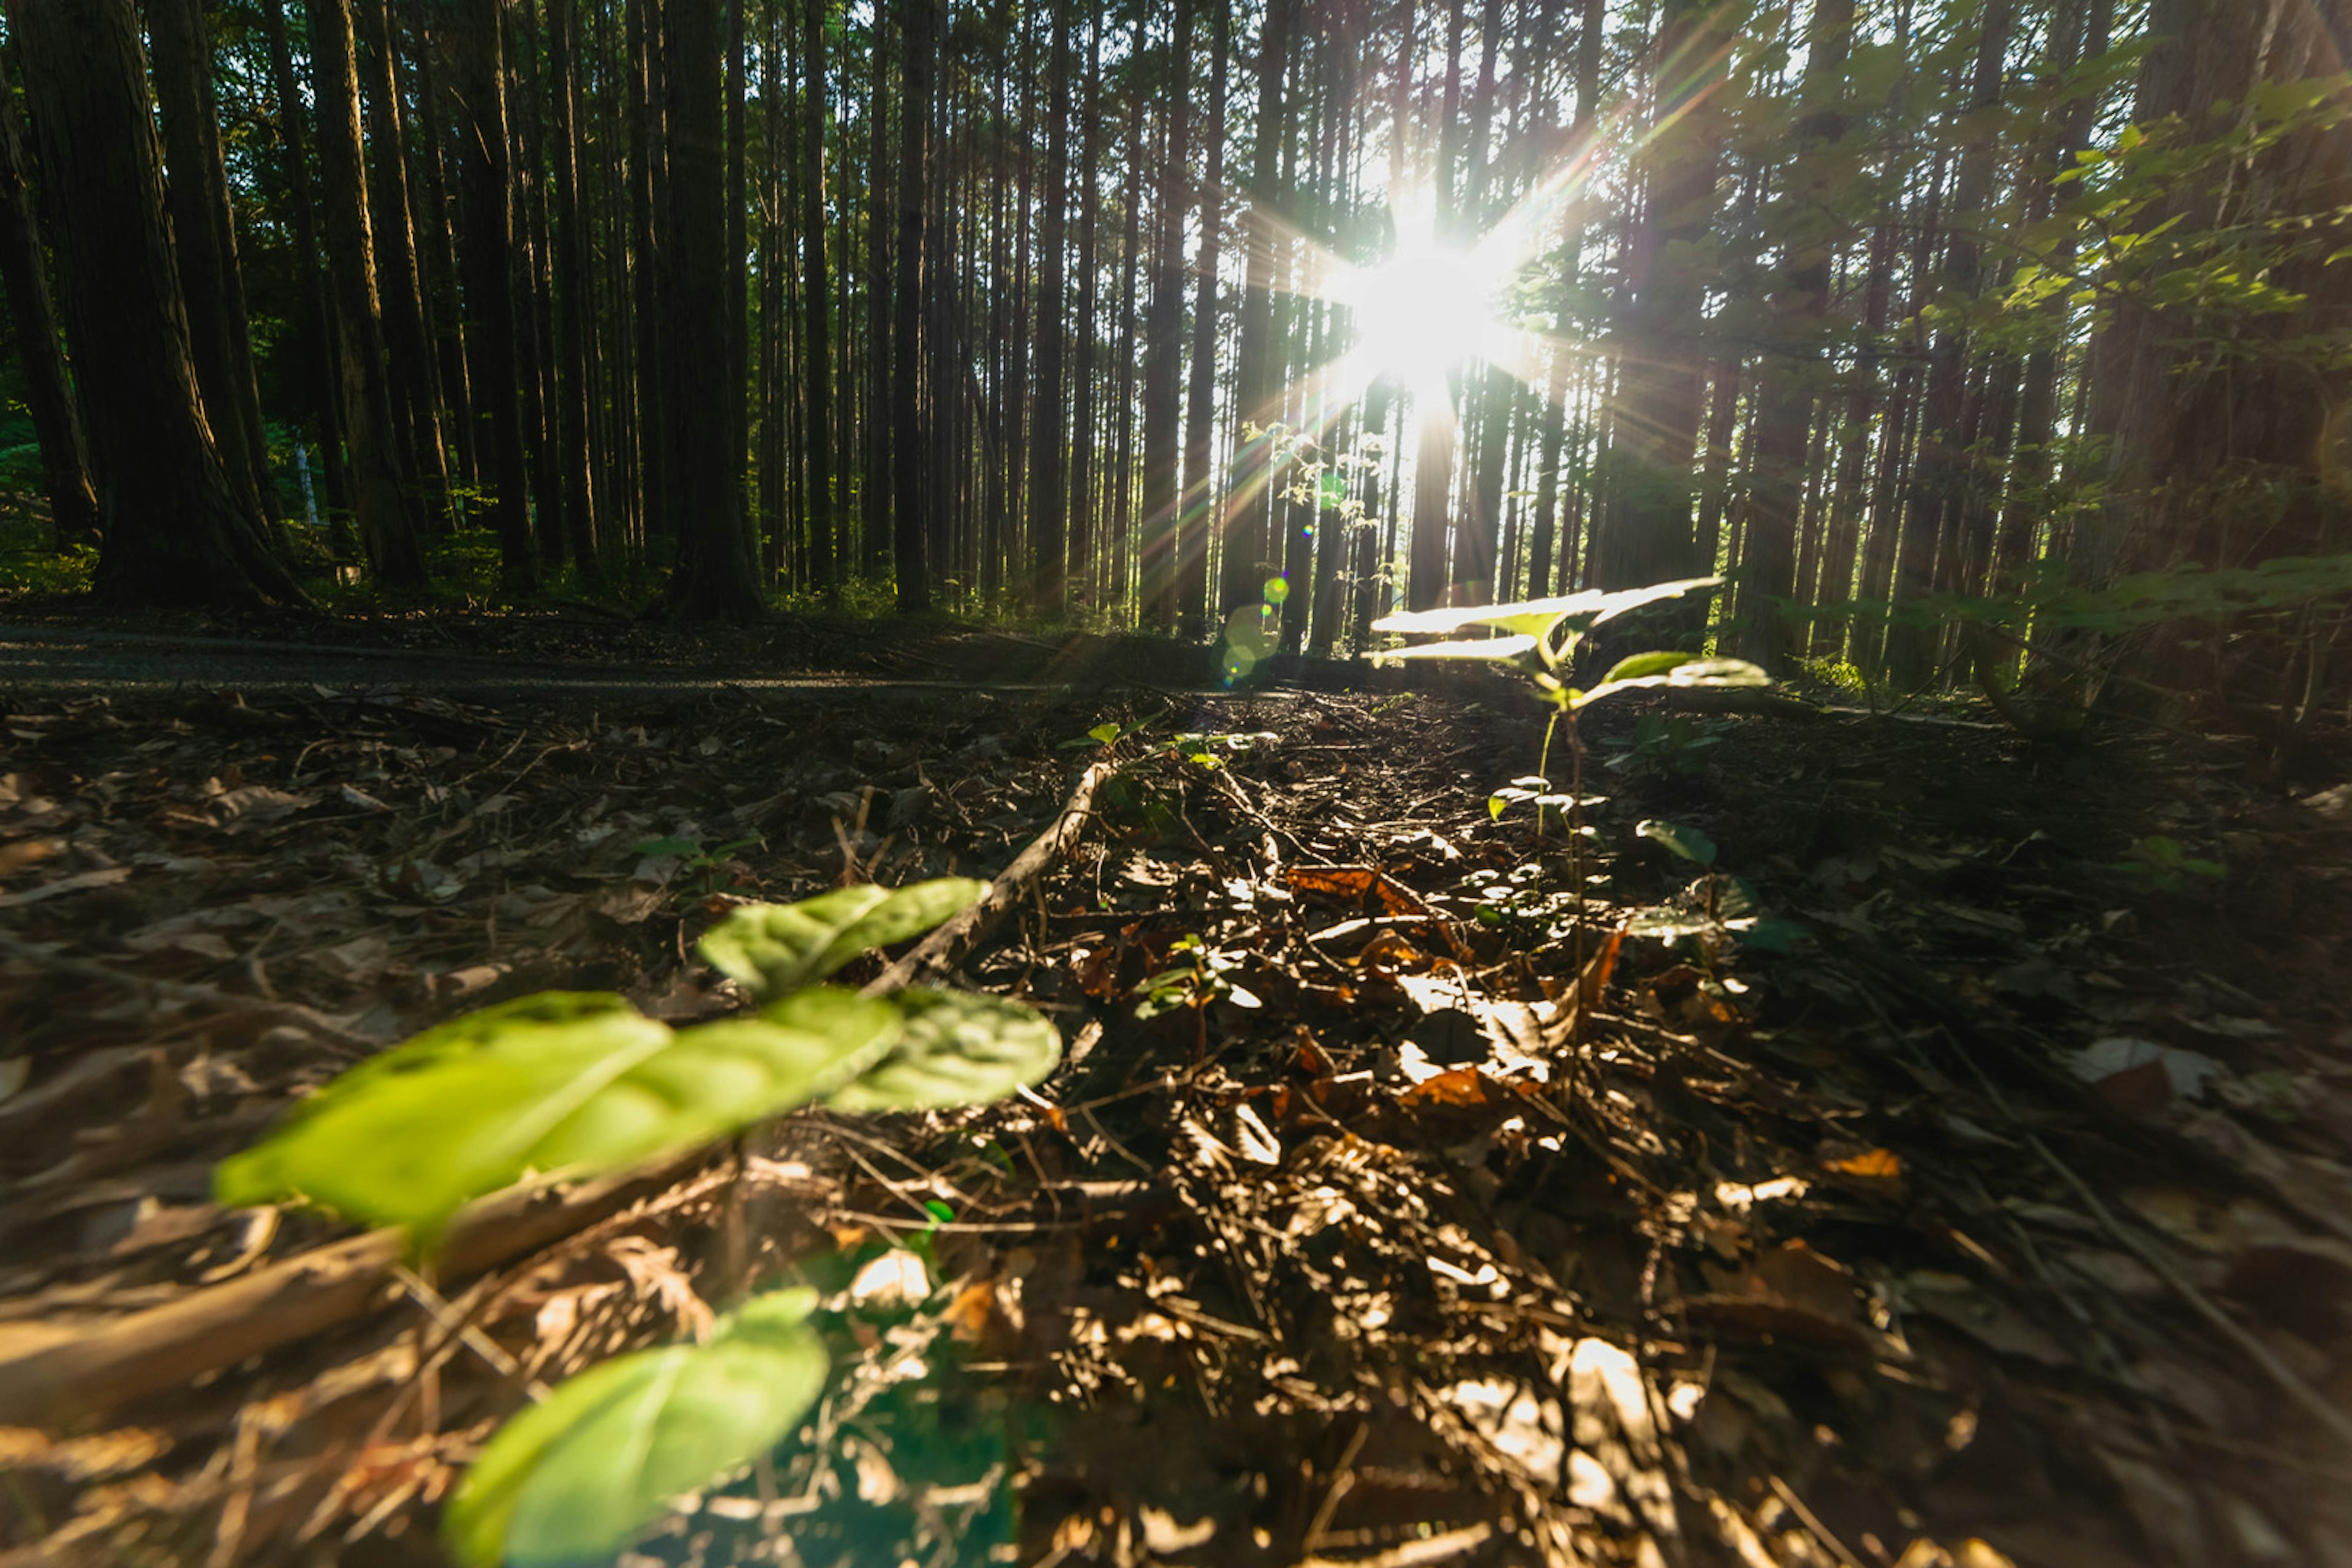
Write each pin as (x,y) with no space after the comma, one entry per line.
(1014,305)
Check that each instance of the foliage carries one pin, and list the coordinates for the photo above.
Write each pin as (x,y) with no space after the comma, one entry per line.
(32,562)
(570,1480)
(2159,863)
(577,1083)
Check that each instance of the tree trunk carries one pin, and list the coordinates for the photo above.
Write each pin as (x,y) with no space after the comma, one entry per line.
(1163,340)
(176,533)
(1939,472)
(380,497)
(1791,370)
(584,481)
(1084,530)
(816,430)
(1432,494)
(32,318)
(1048,510)
(1201,488)
(205,244)
(918,30)
(716,575)
(318,341)
(1647,535)
(408,347)
(1246,523)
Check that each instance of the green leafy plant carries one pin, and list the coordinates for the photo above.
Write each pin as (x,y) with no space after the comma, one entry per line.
(2159,863)
(569,1083)
(1668,743)
(1540,637)
(1196,976)
(573,1478)
(708,863)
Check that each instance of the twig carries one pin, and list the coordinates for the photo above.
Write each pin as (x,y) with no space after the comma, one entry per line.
(59,1372)
(193,995)
(948,946)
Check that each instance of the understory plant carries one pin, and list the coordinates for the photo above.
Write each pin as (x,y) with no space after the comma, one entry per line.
(1540,637)
(575,1084)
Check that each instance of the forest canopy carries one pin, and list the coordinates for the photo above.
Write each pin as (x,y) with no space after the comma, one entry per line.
(1941,329)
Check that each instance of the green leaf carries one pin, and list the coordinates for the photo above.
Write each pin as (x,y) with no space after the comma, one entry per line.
(771,949)
(1692,672)
(565,1081)
(1647,664)
(1535,617)
(1688,841)
(575,1479)
(955,1048)
(1499,649)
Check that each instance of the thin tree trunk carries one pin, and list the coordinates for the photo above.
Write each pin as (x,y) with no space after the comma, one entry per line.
(318,339)
(584,477)
(1048,511)
(1201,488)
(1163,340)
(408,349)
(919,28)
(816,430)
(387,525)
(487,251)
(1247,513)
(1084,529)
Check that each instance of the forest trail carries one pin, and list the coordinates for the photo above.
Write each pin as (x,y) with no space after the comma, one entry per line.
(1942,1176)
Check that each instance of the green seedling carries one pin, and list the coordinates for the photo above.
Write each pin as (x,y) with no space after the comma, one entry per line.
(707,864)
(575,1085)
(2159,864)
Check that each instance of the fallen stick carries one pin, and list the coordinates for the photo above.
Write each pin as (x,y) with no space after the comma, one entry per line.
(953,943)
(55,1374)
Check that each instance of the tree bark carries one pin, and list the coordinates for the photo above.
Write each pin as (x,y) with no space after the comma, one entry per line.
(1163,340)
(379,499)
(1247,511)
(1791,370)
(195,194)
(1200,487)
(407,345)
(1048,511)
(175,531)
(584,480)
(816,430)
(918,29)
(33,318)
(487,258)
(716,575)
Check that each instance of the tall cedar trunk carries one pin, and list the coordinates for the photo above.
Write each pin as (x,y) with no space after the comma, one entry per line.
(1049,501)
(325,385)
(488,254)
(176,533)
(440,242)
(1432,493)
(584,481)
(1790,370)
(1163,340)
(1834,581)
(1246,523)
(408,349)
(535,334)
(33,321)
(204,245)
(1119,527)
(647,259)
(2079,34)
(1084,530)
(919,41)
(816,430)
(1201,488)
(1549,488)
(875,491)
(380,500)
(716,576)
(1940,470)
(1647,535)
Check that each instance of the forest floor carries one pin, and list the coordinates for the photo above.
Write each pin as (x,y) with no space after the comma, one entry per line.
(1954,1174)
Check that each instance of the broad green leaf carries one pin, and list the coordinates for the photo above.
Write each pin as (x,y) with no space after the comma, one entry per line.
(1499,649)
(955,1048)
(565,1081)
(1646,664)
(1533,617)
(1688,841)
(1694,672)
(771,949)
(575,1479)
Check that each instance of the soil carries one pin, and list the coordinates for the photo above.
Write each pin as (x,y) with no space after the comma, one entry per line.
(1956,1168)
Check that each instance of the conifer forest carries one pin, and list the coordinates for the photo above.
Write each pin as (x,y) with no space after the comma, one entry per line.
(1303,783)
